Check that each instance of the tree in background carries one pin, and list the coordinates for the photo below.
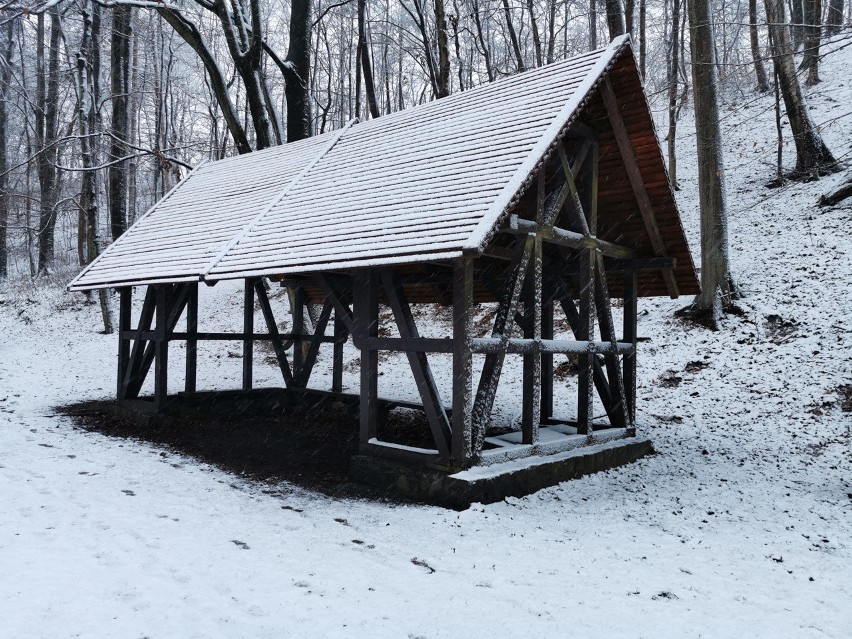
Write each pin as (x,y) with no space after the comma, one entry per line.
(717,284)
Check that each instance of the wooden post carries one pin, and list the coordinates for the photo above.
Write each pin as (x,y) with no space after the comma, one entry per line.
(248,334)
(366,324)
(546,358)
(630,315)
(298,301)
(134,375)
(124,312)
(337,362)
(191,339)
(161,347)
(586,332)
(462,433)
(531,410)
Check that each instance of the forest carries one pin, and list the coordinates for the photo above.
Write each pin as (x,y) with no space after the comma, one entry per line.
(105,105)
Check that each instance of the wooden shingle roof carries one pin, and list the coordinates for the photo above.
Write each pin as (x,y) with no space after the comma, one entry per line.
(426,184)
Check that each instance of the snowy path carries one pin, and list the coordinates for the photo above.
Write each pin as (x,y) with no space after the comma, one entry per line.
(742,526)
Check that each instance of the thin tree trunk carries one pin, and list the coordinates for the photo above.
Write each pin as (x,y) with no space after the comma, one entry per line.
(5,199)
(717,286)
(614,18)
(513,37)
(798,18)
(551,33)
(120,95)
(643,44)
(536,36)
(366,65)
(46,108)
(673,74)
(813,28)
(812,155)
(482,41)
(593,24)
(762,81)
(629,13)
(132,166)
(834,17)
(443,75)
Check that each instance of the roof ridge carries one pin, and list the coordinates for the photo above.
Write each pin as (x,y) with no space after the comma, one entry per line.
(248,228)
(483,231)
(153,208)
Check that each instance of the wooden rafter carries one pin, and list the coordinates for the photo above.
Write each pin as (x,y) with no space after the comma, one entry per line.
(275,336)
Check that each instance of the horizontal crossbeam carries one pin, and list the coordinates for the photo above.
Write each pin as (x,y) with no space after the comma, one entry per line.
(226,337)
(569,239)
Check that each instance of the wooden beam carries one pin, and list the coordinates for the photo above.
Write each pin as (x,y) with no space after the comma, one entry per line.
(618,409)
(546,411)
(338,297)
(436,415)
(525,346)
(303,375)
(629,335)
(248,330)
(637,183)
(161,347)
(124,315)
(531,408)
(461,448)
(365,323)
(134,368)
(275,336)
(340,337)
(191,340)
(570,239)
(586,332)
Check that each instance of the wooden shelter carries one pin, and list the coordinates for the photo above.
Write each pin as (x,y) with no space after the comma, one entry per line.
(542,193)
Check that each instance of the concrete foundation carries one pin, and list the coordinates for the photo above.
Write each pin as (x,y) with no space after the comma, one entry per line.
(488,484)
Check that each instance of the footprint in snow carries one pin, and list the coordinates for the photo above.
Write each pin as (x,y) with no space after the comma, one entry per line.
(241,544)
(129,493)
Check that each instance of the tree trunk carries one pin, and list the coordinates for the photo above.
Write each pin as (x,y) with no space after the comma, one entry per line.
(643,44)
(513,37)
(812,155)
(717,287)
(481,39)
(813,28)
(673,73)
(798,19)
(629,12)
(593,24)
(5,200)
(536,36)
(762,80)
(443,75)
(297,88)
(366,65)
(614,18)
(46,111)
(834,18)
(88,98)
(120,96)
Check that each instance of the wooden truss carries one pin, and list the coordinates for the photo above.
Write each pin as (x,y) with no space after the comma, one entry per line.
(546,257)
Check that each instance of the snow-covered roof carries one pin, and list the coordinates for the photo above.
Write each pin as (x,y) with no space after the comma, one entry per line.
(428,183)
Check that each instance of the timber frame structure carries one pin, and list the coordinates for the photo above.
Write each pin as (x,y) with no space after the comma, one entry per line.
(593,220)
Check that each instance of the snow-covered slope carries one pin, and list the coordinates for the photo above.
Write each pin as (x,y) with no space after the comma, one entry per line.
(741,526)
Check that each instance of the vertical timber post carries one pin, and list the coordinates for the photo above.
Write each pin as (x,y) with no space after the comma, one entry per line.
(248,334)
(124,312)
(337,362)
(461,444)
(191,339)
(531,412)
(366,325)
(586,333)
(298,301)
(630,315)
(546,358)
(161,347)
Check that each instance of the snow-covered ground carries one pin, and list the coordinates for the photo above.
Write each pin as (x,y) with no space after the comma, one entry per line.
(740,526)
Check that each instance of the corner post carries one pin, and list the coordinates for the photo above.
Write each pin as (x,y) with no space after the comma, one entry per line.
(630,335)
(531,411)
(337,362)
(461,445)
(191,339)
(366,325)
(248,334)
(161,347)
(124,311)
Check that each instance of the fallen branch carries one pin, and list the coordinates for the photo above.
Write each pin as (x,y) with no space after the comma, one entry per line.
(837,195)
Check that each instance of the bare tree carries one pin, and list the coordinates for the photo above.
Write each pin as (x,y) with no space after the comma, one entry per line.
(813,28)
(760,71)
(834,17)
(614,18)
(717,284)
(120,132)
(812,155)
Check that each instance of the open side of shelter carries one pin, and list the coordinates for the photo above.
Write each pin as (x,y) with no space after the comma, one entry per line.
(584,214)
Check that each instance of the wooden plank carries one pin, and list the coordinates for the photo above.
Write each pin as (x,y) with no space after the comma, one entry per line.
(191,340)
(297,301)
(631,166)
(365,323)
(531,408)
(462,434)
(524,346)
(570,239)
(272,327)
(586,332)
(248,330)
(618,409)
(339,298)
(546,411)
(436,415)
